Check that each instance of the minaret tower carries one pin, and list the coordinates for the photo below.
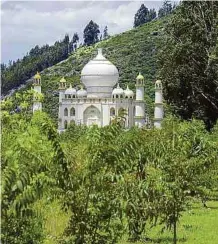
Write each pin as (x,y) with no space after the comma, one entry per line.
(37,105)
(158,110)
(62,88)
(140,104)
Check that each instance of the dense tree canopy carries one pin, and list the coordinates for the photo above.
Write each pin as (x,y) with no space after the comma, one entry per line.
(189,63)
(166,9)
(105,33)
(38,59)
(143,15)
(74,42)
(90,33)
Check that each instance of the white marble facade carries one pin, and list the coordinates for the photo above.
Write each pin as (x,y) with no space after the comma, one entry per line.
(101,99)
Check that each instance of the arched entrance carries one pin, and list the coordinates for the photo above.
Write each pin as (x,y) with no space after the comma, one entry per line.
(92,116)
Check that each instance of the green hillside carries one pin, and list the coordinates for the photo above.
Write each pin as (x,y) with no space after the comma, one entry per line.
(132,52)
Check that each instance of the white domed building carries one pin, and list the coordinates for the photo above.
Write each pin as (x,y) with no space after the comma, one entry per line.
(102,98)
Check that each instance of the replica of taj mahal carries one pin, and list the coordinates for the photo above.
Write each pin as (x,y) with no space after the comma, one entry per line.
(99,102)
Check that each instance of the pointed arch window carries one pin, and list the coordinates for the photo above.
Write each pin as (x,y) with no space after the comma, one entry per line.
(112,112)
(65,112)
(72,112)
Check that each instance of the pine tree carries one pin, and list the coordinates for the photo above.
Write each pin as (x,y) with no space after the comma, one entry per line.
(105,33)
(166,9)
(74,42)
(141,16)
(75,38)
(152,14)
(90,33)
(66,39)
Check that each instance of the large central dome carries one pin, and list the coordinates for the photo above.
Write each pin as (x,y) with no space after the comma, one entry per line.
(99,76)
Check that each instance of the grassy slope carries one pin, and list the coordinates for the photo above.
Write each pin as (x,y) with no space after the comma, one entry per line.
(132,51)
(197,226)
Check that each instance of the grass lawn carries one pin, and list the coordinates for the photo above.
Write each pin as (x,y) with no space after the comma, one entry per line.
(197,226)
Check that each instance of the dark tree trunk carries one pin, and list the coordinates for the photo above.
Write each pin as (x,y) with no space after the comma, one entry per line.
(174,230)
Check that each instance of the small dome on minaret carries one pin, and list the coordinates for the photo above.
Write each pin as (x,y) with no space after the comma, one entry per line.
(62,80)
(140,76)
(62,84)
(37,76)
(37,79)
(158,84)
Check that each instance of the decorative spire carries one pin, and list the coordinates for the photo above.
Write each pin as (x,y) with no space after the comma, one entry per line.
(99,55)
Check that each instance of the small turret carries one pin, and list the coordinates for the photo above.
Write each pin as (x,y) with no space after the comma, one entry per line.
(37,105)
(70,92)
(128,93)
(81,93)
(140,81)
(158,110)
(140,105)
(62,84)
(117,92)
(62,88)
(37,79)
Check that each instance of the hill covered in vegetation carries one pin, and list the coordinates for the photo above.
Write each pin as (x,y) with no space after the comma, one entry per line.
(132,52)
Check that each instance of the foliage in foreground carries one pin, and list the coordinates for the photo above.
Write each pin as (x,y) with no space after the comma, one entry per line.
(112,182)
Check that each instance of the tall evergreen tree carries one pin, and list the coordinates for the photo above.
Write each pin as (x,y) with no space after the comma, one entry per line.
(152,14)
(66,39)
(105,33)
(91,33)
(141,16)
(144,15)
(75,38)
(74,42)
(166,9)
